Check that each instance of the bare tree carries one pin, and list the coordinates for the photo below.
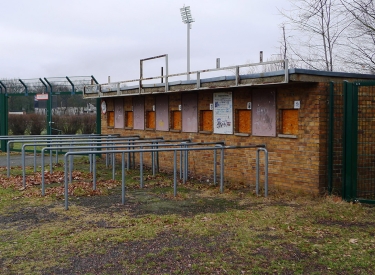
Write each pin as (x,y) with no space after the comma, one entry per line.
(16,100)
(361,38)
(315,32)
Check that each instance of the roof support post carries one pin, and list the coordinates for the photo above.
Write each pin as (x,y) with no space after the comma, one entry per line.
(198,80)
(140,75)
(166,73)
(237,75)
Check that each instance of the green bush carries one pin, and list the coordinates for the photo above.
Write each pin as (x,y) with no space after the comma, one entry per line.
(17,124)
(70,124)
(37,123)
(88,122)
(57,125)
(34,124)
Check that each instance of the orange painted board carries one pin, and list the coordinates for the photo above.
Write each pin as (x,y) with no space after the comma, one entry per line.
(129,119)
(206,121)
(176,120)
(290,122)
(151,120)
(244,121)
(110,119)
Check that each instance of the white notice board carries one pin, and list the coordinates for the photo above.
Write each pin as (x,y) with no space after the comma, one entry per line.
(223,113)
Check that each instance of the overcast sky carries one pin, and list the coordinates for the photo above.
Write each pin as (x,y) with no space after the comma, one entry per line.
(48,38)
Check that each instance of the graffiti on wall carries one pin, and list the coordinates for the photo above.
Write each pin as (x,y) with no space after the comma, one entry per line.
(264,113)
(223,110)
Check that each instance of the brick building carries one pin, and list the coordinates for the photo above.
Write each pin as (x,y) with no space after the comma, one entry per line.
(285,110)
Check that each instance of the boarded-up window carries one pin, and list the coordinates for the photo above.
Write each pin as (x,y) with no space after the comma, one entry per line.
(243,121)
(189,112)
(162,122)
(289,122)
(119,113)
(150,119)
(264,113)
(176,120)
(110,118)
(139,113)
(206,120)
(129,119)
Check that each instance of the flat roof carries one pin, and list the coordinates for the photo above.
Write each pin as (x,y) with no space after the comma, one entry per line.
(232,81)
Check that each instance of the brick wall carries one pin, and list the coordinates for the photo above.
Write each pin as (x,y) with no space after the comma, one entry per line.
(296,163)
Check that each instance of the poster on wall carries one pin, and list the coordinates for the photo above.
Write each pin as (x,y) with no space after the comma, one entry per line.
(223,113)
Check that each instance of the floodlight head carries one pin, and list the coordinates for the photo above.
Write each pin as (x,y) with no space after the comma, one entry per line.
(186,15)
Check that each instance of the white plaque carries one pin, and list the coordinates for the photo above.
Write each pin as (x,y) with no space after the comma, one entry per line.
(223,113)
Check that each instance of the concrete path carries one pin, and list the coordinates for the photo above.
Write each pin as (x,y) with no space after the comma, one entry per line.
(16,160)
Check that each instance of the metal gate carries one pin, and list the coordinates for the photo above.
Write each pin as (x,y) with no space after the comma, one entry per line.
(34,87)
(352,141)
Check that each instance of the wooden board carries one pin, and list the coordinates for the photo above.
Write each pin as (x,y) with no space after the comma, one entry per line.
(139,113)
(189,112)
(110,119)
(289,122)
(206,120)
(129,119)
(162,117)
(176,120)
(150,119)
(119,113)
(264,113)
(244,121)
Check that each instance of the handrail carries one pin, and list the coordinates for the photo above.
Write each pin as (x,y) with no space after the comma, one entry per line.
(97,88)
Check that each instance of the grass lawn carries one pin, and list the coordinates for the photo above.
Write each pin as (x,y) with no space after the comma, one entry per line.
(198,232)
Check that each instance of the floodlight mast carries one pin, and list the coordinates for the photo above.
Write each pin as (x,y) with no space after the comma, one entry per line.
(187,19)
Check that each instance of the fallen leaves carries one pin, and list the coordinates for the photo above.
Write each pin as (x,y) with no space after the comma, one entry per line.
(353,241)
(55,184)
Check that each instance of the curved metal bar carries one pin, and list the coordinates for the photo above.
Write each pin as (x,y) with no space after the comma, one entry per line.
(150,150)
(24,85)
(71,83)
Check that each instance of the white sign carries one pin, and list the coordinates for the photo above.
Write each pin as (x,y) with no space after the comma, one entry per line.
(297,104)
(42,97)
(223,113)
(104,107)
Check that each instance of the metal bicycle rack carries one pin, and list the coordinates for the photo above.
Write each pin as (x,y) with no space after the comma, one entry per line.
(112,145)
(174,150)
(118,150)
(55,139)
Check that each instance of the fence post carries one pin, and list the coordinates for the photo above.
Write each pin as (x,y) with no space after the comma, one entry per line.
(3,120)
(350,141)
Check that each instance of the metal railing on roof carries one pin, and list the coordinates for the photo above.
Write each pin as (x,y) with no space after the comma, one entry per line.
(103,89)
